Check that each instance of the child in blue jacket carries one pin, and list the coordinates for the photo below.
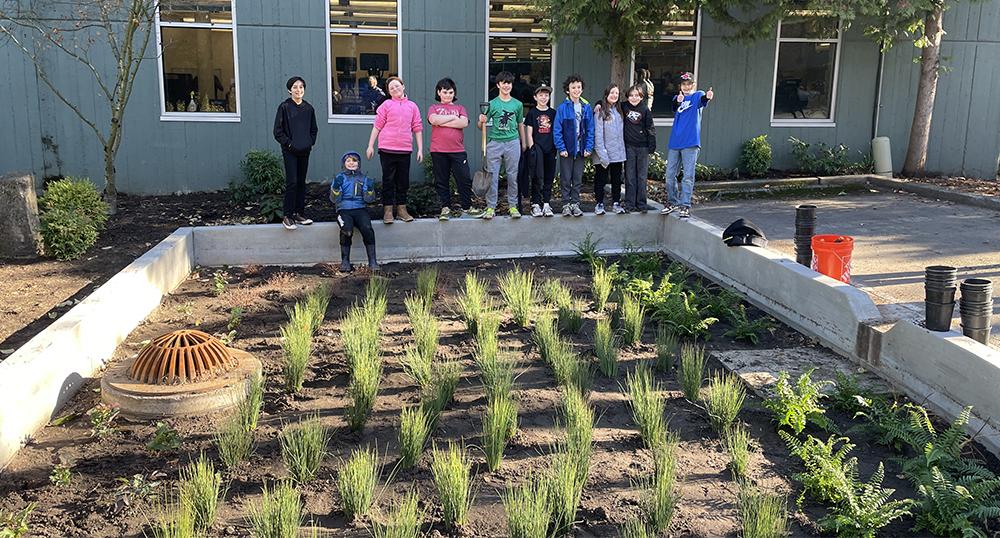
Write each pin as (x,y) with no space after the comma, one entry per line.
(350,192)
(573,135)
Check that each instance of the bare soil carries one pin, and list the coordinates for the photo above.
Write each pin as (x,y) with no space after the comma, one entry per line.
(89,506)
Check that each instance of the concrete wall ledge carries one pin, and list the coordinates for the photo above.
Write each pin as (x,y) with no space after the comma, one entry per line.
(941,193)
(44,373)
(778,183)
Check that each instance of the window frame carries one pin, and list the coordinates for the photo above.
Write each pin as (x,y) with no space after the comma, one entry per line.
(215,117)
(808,122)
(486,65)
(357,119)
(669,122)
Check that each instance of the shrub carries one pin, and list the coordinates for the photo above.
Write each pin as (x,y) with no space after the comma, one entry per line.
(755,157)
(647,405)
(422,199)
(278,514)
(356,483)
(263,174)
(666,349)
(527,509)
(200,488)
(763,514)
(606,348)
(632,314)
(303,447)
(403,520)
(794,406)
(66,235)
(724,400)
(452,471)
(824,160)
(77,196)
(518,290)
(691,371)
(499,425)
(414,428)
(657,166)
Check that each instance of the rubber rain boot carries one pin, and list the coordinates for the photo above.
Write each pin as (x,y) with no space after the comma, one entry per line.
(372,263)
(345,259)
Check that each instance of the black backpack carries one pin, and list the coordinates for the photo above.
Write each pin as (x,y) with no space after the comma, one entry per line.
(742,232)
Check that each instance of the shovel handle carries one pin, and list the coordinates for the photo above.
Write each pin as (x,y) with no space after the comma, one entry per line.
(484,107)
(484,141)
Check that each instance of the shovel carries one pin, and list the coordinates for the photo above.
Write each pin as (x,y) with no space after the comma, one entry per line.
(482,179)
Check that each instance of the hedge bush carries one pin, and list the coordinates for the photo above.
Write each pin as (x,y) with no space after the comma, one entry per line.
(755,157)
(76,195)
(263,181)
(73,214)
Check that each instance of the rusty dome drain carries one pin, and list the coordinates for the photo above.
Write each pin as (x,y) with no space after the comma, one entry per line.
(185,372)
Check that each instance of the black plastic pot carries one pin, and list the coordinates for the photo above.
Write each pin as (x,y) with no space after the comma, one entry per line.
(938,315)
(976,321)
(939,295)
(979,335)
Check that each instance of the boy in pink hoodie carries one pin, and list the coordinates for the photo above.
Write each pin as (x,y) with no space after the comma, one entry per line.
(396,120)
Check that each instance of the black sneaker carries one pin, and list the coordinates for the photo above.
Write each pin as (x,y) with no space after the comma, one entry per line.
(302,219)
(684,213)
(288,223)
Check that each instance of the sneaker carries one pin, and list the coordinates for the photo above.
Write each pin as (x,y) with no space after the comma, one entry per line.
(577,212)
(299,218)
(685,212)
(488,214)
(618,209)
(445,213)
(644,208)
(599,209)
(472,213)
(288,223)
(537,211)
(514,213)
(668,209)
(547,210)
(567,210)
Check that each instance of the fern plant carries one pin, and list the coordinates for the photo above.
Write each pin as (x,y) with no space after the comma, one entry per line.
(795,406)
(746,329)
(952,507)
(865,509)
(935,449)
(829,471)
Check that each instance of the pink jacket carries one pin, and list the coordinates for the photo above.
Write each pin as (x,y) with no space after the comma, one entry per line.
(396,119)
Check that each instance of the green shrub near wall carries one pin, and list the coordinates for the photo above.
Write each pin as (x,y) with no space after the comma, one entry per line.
(755,157)
(263,181)
(73,214)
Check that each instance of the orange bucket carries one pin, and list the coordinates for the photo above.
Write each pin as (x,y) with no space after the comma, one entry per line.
(832,256)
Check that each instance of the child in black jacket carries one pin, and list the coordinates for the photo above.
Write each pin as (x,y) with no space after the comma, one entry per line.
(640,142)
(295,130)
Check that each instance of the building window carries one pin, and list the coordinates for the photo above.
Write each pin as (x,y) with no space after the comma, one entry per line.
(516,42)
(198,68)
(661,60)
(364,50)
(805,75)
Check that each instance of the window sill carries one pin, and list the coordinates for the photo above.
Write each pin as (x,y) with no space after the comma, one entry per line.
(349,119)
(196,117)
(803,123)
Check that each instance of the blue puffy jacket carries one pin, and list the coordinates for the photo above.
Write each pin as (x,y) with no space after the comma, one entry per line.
(352,190)
(565,135)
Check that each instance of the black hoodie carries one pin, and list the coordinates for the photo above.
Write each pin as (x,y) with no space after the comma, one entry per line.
(638,126)
(295,127)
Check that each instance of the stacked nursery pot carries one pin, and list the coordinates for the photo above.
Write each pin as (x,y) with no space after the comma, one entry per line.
(805,227)
(976,308)
(940,284)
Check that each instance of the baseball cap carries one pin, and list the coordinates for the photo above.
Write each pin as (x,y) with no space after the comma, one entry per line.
(542,88)
(687,76)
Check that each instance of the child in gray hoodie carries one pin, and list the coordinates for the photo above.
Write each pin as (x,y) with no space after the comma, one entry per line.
(609,149)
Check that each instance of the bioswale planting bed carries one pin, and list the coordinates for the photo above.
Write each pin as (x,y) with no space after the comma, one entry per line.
(529,398)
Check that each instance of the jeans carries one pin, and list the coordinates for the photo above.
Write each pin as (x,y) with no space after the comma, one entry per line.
(687,156)
(614,170)
(636,172)
(444,166)
(571,178)
(295,182)
(508,151)
(395,177)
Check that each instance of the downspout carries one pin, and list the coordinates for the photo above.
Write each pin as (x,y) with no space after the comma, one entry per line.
(878,92)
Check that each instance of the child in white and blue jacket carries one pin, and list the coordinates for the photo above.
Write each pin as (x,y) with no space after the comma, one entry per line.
(351,191)
(573,134)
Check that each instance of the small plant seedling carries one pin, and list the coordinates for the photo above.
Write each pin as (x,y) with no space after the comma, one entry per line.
(219,283)
(164,438)
(102,420)
(15,524)
(138,487)
(235,318)
(587,250)
(61,476)
(186,309)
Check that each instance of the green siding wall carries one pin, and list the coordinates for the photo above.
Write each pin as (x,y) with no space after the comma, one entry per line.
(445,37)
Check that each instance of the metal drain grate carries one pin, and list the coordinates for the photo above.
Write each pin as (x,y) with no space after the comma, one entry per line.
(181,357)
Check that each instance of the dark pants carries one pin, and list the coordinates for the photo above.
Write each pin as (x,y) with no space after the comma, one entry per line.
(601,174)
(395,177)
(295,182)
(349,219)
(446,164)
(536,173)
(636,171)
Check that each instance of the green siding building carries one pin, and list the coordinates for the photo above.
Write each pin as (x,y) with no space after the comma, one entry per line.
(210,93)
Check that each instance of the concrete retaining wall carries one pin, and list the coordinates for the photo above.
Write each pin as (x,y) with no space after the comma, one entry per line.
(43,374)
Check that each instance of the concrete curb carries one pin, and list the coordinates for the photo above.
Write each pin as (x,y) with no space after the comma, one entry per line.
(763,184)
(43,374)
(930,191)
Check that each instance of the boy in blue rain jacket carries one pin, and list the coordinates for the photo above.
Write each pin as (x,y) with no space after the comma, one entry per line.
(350,192)
(573,135)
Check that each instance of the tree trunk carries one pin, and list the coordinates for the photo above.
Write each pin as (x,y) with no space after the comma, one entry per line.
(619,70)
(110,190)
(930,64)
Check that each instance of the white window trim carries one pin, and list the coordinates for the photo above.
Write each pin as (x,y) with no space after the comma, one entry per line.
(213,117)
(807,122)
(669,122)
(357,119)
(486,65)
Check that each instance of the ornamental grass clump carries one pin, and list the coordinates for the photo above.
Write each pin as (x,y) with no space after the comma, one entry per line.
(660,495)
(692,371)
(606,348)
(736,441)
(499,425)
(497,374)
(601,285)
(297,345)
(488,337)
(417,367)
(452,472)
(403,520)
(570,314)
(316,303)
(632,315)
(724,400)
(473,301)
(579,417)
(762,514)
(360,333)
(444,381)
(356,483)
(647,404)
(278,514)
(175,518)
(635,528)
(546,337)
(362,389)
(427,284)
(424,326)
(527,509)
(518,290)
(376,301)
(234,441)
(565,489)
(303,447)
(249,408)
(666,349)
(553,291)
(415,424)
(199,488)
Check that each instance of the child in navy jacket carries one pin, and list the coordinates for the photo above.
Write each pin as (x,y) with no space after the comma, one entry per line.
(573,134)
(350,192)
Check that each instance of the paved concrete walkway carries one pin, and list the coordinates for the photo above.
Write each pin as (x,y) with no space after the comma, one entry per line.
(895,237)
